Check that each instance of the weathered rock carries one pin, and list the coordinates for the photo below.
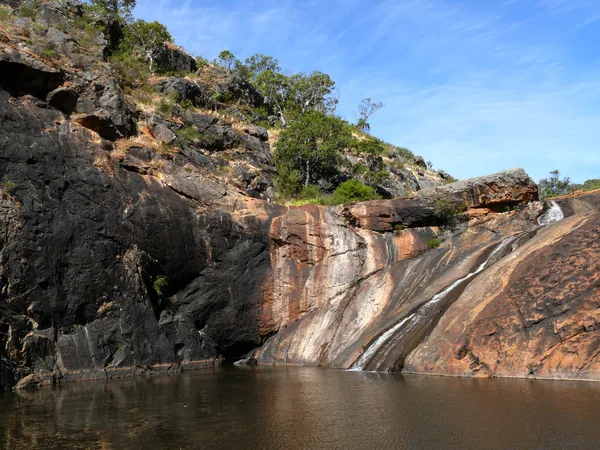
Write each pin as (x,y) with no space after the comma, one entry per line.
(243,92)
(258,132)
(63,99)
(532,315)
(494,191)
(173,58)
(92,236)
(21,74)
(510,187)
(184,90)
(106,111)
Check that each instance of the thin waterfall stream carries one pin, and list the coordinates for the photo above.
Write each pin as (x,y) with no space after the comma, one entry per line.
(553,214)
(381,354)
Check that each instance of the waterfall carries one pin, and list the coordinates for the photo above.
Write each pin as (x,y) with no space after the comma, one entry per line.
(418,320)
(553,214)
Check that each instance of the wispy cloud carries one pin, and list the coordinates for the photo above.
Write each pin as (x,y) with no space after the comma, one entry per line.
(474,86)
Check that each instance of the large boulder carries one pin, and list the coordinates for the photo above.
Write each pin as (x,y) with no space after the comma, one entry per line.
(105,110)
(173,59)
(184,90)
(432,206)
(22,74)
(240,90)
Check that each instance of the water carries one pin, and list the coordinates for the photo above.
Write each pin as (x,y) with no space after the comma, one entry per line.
(377,357)
(303,408)
(553,214)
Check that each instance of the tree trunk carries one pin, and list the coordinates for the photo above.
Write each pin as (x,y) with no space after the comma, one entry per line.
(307,173)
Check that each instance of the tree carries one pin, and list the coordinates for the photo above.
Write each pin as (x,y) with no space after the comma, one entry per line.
(354,191)
(366,109)
(258,63)
(116,8)
(295,95)
(553,186)
(312,146)
(227,59)
(145,39)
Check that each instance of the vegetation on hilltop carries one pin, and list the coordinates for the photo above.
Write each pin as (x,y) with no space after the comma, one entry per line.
(318,156)
(555,186)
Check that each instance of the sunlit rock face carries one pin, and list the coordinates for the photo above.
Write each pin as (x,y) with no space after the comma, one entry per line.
(535,313)
(511,298)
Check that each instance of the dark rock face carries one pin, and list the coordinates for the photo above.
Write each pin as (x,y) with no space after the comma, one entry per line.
(106,111)
(184,90)
(21,74)
(174,59)
(240,89)
(86,236)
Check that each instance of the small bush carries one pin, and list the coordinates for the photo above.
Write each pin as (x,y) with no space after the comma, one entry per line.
(4,14)
(309,191)
(129,70)
(166,105)
(160,284)
(27,10)
(447,208)
(287,182)
(399,227)
(187,135)
(354,191)
(433,243)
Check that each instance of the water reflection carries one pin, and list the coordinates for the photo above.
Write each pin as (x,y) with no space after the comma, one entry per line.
(303,408)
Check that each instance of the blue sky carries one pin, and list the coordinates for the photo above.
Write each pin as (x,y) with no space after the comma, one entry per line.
(475,86)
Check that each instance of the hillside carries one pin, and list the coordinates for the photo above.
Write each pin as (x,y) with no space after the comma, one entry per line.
(210,118)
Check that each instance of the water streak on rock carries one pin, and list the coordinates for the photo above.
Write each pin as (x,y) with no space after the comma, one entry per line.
(376,356)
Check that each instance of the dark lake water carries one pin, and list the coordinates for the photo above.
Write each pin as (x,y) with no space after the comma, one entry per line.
(303,408)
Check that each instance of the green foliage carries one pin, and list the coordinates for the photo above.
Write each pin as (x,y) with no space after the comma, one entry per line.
(366,109)
(8,188)
(287,182)
(187,135)
(202,61)
(296,95)
(114,8)
(130,70)
(554,186)
(433,243)
(447,209)
(309,191)
(27,10)
(312,146)
(166,105)
(588,185)
(227,59)
(4,14)
(160,284)
(399,227)
(354,191)
(145,40)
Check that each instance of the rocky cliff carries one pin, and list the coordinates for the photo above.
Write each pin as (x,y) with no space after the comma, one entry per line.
(130,244)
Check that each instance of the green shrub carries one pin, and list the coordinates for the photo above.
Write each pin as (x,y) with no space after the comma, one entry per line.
(399,227)
(447,208)
(433,243)
(309,191)
(287,182)
(187,135)
(166,105)
(160,284)
(354,191)
(186,104)
(27,10)
(4,14)
(8,187)
(129,69)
